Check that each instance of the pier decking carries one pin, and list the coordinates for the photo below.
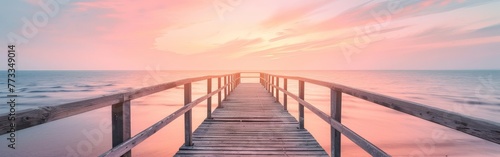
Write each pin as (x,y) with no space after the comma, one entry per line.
(251,122)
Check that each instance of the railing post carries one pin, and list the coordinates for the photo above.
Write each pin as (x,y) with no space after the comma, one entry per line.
(272,87)
(265,81)
(285,86)
(233,79)
(219,98)
(188,130)
(336,114)
(229,84)
(301,107)
(209,99)
(269,83)
(260,79)
(264,76)
(120,120)
(277,90)
(225,87)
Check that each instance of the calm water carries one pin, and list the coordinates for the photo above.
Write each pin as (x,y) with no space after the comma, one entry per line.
(474,93)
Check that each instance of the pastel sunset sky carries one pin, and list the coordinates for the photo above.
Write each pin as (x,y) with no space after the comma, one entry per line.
(252,34)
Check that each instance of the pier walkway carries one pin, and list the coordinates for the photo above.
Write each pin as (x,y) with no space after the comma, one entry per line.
(251,122)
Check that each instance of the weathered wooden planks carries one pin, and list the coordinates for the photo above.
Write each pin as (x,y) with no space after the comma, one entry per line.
(251,123)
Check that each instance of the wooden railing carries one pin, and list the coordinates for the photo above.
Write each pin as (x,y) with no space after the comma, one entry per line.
(120,104)
(120,111)
(483,129)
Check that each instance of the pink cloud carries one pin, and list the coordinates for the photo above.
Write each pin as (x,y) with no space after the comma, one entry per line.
(142,21)
(126,32)
(293,14)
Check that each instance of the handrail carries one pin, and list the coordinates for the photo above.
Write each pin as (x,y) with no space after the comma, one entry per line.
(363,143)
(120,103)
(480,128)
(143,135)
(124,147)
(32,117)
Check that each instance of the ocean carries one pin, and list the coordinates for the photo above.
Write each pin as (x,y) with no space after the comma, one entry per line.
(470,92)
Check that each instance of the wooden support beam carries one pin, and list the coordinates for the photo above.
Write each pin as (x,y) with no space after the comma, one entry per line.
(285,97)
(260,79)
(188,124)
(219,94)
(120,120)
(209,99)
(230,84)
(266,85)
(336,114)
(232,81)
(272,87)
(266,82)
(277,91)
(269,83)
(239,79)
(301,106)
(225,87)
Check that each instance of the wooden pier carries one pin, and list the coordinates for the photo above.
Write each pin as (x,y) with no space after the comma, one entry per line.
(251,122)
(249,119)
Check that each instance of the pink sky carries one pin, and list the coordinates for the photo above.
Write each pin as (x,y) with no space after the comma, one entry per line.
(257,34)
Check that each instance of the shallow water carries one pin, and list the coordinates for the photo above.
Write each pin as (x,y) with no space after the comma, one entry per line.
(474,93)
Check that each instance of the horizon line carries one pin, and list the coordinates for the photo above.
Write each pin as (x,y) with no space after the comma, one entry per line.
(258,70)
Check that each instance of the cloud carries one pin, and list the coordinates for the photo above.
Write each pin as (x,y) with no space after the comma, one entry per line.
(441,37)
(234,48)
(358,16)
(293,14)
(492,30)
(256,30)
